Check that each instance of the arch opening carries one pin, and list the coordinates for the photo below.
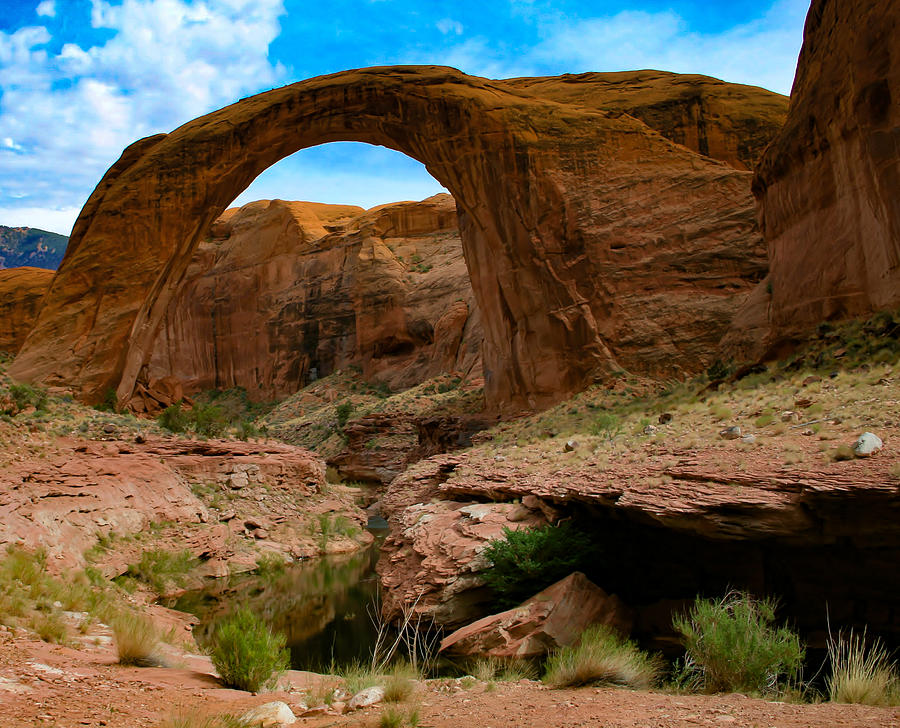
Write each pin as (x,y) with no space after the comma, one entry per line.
(546,185)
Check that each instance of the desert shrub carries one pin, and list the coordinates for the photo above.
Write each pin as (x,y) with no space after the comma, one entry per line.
(24,395)
(526,561)
(270,564)
(208,420)
(606,425)
(137,639)
(109,402)
(860,674)
(50,627)
(246,429)
(342,412)
(504,670)
(395,717)
(602,656)
(732,645)
(173,418)
(158,568)
(246,654)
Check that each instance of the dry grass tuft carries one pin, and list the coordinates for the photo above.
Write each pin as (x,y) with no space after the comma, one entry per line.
(137,639)
(861,675)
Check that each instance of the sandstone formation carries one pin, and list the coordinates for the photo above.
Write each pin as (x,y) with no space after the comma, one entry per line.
(65,498)
(21,291)
(827,186)
(671,526)
(551,619)
(283,292)
(593,242)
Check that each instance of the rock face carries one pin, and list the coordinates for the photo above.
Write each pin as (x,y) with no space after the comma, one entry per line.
(82,489)
(551,619)
(593,242)
(21,291)
(827,186)
(282,292)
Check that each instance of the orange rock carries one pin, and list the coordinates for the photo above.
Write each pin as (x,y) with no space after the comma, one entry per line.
(828,184)
(286,291)
(21,291)
(551,619)
(594,244)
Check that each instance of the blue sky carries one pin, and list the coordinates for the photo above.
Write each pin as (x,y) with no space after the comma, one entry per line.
(81,79)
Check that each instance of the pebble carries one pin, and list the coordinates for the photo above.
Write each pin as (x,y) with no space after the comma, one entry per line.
(730,433)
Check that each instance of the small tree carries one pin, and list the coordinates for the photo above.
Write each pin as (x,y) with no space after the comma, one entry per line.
(733,646)
(246,653)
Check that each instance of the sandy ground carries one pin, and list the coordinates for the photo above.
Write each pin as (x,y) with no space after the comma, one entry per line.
(50,685)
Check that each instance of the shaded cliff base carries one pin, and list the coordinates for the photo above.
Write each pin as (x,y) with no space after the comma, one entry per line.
(746,481)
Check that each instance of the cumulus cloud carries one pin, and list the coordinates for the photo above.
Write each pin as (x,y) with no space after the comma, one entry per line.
(762,52)
(164,63)
(47,9)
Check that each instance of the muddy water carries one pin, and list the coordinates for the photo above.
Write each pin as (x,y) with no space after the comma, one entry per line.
(322,606)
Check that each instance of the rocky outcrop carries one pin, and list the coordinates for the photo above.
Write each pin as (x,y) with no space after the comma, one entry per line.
(827,185)
(21,291)
(553,618)
(669,525)
(226,501)
(283,292)
(593,242)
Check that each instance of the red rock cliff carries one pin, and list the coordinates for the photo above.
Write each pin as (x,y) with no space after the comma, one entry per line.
(21,291)
(282,291)
(829,184)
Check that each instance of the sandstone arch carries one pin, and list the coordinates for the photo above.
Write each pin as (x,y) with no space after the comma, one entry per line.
(570,214)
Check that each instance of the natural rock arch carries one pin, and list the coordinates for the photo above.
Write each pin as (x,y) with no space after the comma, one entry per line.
(562,206)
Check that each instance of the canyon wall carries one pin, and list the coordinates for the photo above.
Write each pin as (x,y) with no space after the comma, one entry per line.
(282,292)
(21,291)
(828,184)
(594,243)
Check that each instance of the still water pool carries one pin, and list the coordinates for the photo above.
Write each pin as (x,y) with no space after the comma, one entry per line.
(322,606)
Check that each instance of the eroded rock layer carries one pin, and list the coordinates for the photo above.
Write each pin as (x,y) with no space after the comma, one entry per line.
(593,242)
(21,291)
(828,185)
(283,292)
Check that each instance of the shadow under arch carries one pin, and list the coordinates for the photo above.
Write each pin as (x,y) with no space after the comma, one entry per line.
(542,191)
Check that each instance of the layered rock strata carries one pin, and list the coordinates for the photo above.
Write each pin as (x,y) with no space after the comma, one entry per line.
(21,292)
(283,292)
(827,185)
(593,242)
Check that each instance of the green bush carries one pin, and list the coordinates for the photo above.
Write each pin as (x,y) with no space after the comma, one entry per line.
(527,561)
(342,412)
(246,654)
(159,568)
(732,645)
(173,418)
(602,657)
(24,395)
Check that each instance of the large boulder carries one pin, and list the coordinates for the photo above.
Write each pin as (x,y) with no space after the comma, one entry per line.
(550,619)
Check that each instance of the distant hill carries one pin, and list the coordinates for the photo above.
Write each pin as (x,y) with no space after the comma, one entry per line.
(29,246)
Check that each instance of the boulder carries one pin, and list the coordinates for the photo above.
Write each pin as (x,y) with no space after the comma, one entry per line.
(867,444)
(269,715)
(551,619)
(367,697)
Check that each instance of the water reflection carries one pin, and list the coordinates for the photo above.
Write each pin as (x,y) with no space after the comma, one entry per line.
(320,606)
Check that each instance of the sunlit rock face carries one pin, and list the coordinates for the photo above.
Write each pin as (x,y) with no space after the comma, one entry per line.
(828,184)
(21,291)
(280,293)
(596,239)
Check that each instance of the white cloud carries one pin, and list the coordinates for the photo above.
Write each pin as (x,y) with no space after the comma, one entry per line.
(448,26)
(55,221)
(47,9)
(762,52)
(71,113)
